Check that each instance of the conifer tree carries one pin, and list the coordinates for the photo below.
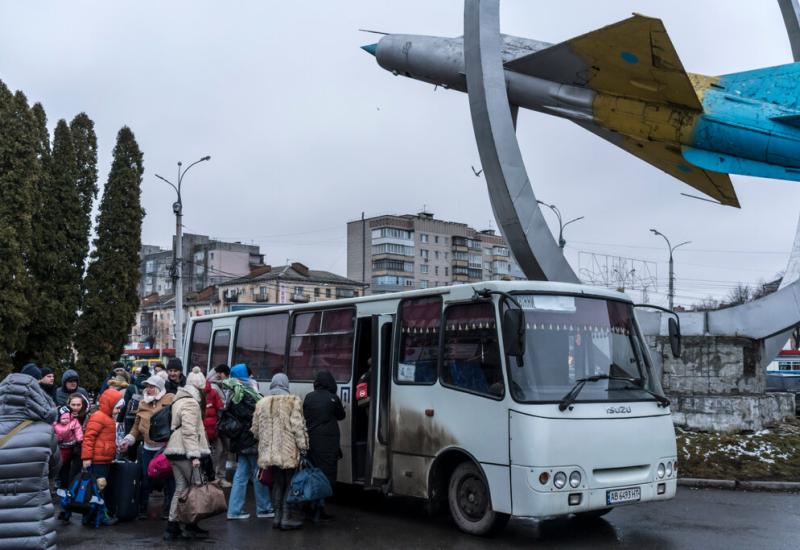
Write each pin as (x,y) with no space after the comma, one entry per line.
(18,172)
(58,255)
(85,142)
(112,278)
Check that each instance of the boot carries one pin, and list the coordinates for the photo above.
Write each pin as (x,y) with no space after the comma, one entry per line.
(288,523)
(196,531)
(276,521)
(173,531)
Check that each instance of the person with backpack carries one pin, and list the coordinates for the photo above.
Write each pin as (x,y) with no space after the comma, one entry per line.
(69,434)
(214,406)
(100,440)
(186,446)
(154,399)
(280,428)
(235,424)
(29,458)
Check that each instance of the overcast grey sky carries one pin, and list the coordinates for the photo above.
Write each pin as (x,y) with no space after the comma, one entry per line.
(306,131)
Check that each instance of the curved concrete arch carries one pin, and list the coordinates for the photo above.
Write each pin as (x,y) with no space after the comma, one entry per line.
(513,202)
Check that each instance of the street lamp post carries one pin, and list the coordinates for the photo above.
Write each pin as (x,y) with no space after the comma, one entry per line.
(671,292)
(177,208)
(561,226)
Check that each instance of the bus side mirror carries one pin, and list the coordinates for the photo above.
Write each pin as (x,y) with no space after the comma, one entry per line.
(674,337)
(514,333)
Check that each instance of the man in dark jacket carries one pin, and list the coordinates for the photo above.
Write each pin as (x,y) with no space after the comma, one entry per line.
(322,410)
(28,457)
(48,383)
(70,383)
(175,377)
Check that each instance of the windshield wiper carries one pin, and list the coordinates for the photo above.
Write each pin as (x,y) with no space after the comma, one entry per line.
(572,394)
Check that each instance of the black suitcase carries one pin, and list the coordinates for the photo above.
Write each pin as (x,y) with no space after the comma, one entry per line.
(122,493)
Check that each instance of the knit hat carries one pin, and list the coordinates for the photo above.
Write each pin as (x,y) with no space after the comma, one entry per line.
(144,371)
(174,364)
(156,381)
(196,379)
(32,370)
(62,410)
(46,371)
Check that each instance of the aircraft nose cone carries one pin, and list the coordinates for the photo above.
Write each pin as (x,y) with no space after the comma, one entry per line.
(370,48)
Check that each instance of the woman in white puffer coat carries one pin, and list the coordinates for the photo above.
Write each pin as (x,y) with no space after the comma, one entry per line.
(280,428)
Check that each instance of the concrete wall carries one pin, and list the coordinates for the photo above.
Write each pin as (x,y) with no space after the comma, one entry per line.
(718,385)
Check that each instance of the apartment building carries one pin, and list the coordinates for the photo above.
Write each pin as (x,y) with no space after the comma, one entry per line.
(402,252)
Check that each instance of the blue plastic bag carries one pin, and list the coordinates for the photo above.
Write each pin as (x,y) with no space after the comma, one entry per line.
(309,484)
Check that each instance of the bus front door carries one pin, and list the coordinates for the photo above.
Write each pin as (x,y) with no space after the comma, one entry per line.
(378,390)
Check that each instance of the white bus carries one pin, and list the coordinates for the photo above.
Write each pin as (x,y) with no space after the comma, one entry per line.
(524,399)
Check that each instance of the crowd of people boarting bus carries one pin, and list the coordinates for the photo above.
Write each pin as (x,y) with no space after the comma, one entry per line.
(158,430)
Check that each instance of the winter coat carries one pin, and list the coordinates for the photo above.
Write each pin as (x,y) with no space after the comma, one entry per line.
(173,387)
(50,390)
(188,439)
(241,402)
(141,425)
(280,428)
(26,462)
(100,437)
(62,395)
(322,410)
(214,405)
(70,434)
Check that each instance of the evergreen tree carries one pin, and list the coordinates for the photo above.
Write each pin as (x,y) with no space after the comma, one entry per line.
(58,254)
(112,278)
(19,166)
(85,142)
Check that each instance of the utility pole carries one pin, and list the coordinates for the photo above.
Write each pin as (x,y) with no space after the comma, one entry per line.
(671,291)
(177,208)
(561,226)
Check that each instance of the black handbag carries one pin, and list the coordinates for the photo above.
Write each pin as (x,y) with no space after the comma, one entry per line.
(161,425)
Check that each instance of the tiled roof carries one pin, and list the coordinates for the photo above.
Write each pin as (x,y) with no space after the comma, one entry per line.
(289,273)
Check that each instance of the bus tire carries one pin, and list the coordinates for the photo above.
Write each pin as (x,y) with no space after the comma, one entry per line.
(470,502)
(593,514)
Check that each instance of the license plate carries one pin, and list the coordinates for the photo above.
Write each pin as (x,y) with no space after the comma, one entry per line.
(619,496)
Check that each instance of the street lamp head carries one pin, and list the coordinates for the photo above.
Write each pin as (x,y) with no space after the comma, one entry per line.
(654,231)
(207,157)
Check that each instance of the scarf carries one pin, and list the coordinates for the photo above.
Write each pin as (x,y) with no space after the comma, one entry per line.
(238,390)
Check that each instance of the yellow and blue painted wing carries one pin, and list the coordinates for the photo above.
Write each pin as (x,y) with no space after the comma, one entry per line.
(669,158)
(633,58)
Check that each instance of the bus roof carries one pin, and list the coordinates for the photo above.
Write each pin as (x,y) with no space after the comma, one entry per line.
(458,291)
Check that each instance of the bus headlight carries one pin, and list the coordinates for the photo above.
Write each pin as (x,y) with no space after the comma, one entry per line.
(559,480)
(660,470)
(669,469)
(574,479)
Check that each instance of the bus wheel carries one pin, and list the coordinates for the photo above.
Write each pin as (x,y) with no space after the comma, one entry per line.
(470,503)
(593,514)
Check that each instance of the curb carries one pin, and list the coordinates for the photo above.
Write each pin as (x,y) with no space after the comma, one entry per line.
(733,484)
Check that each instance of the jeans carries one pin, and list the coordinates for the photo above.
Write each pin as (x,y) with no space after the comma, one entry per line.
(182,470)
(247,470)
(146,485)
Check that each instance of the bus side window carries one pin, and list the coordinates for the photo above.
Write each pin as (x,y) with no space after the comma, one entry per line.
(419,322)
(261,344)
(471,359)
(199,346)
(322,340)
(219,348)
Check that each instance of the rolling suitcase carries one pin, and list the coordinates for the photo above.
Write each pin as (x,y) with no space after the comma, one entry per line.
(122,493)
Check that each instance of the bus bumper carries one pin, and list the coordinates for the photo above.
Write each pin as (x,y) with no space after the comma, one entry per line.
(532,503)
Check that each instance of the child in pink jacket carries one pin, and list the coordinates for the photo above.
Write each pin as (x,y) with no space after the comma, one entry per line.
(69,435)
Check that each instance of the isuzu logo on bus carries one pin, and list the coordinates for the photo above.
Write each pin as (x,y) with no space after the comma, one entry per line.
(622,409)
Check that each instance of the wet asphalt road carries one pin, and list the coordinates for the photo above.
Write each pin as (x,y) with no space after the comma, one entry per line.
(703,519)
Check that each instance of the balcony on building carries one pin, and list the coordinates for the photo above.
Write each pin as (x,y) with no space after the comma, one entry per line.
(261,298)
(230,298)
(300,297)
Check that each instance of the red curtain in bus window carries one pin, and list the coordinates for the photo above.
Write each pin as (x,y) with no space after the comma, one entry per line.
(331,348)
(420,319)
(470,317)
(261,344)
(198,348)
(219,349)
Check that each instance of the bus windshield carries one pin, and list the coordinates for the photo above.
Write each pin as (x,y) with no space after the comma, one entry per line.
(569,338)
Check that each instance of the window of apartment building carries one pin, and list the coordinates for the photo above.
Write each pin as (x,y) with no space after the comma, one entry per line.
(327,292)
(423,237)
(391,232)
(436,239)
(423,284)
(391,248)
(392,280)
(298,290)
(446,271)
(423,253)
(392,265)
(446,255)
(436,254)
(261,344)
(345,293)
(446,239)
(322,340)
(436,270)
(419,320)
(316,292)
(423,268)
